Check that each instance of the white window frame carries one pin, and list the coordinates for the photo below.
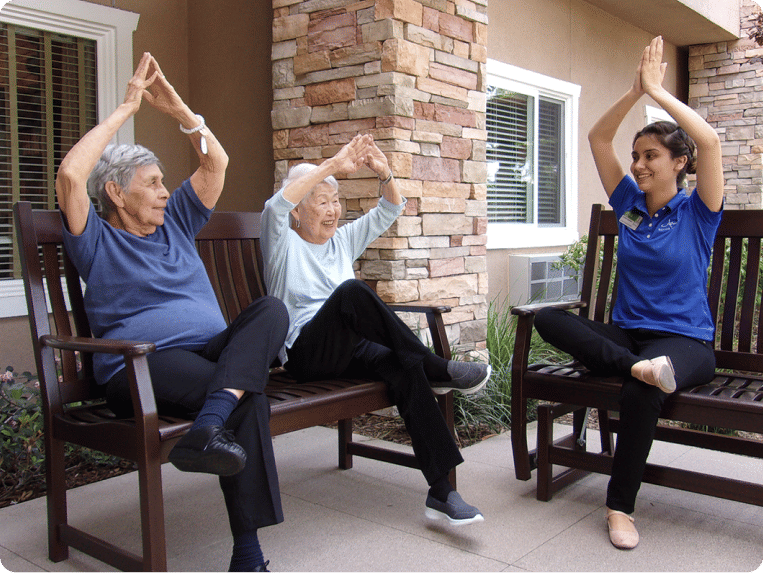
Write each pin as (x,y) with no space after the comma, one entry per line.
(523,235)
(112,31)
(652,114)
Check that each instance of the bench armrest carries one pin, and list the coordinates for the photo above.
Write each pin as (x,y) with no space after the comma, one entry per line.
(83,344)
(531,309)
(434,321)
(141,390)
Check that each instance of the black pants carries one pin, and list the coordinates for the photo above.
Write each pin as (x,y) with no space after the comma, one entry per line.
(239,357)
(356,332)
(606,349)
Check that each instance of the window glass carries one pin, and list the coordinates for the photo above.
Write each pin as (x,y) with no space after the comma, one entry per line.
(47,102)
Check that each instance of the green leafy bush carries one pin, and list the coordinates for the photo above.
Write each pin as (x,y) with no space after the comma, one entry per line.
(22,452)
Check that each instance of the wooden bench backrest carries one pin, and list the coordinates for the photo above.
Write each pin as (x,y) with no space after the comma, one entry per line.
(228,245)
(734,285)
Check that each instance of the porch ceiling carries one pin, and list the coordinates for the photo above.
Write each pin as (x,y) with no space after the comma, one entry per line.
(681,22)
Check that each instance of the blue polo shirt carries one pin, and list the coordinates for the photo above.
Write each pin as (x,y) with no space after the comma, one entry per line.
(662,262)
(153,288)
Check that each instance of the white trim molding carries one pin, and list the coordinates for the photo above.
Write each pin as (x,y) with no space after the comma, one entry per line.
(522,235)
(112,31)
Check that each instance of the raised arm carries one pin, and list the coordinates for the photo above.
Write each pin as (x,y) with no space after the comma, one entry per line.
(602,135)
(71,179)
(209,178)
(709,157)
(347,160)
(377,162)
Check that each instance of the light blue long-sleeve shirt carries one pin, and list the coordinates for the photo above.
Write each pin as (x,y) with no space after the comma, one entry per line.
(302,274)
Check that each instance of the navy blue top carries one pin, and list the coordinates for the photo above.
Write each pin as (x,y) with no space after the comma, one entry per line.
(662,262)
(152,289)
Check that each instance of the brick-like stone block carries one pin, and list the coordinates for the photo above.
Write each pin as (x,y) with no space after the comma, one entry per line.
(446,267)
(442,89)
(406,57)
(290,27)
(311,62)
(474,171)
(405,10)
(332,39)
(456,27)
(436,169)
(459,116)
(406,227)
(453,75)
(353,55)
(442,205)
(455,148)
(446,224)
(289,118)
(473,331)
(428,38)
(445,189)
(329,113)
(442,288)
(398,291)
(313,135)
(281,139)
(383,270)
(330,92)
(381,30)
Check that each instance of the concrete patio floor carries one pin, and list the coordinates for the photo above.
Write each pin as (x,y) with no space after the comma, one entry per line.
(371,518)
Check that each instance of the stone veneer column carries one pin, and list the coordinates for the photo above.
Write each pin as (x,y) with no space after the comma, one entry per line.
(725,88)
(412,73)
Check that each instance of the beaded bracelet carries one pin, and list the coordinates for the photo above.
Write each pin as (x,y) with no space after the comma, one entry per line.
(199,127)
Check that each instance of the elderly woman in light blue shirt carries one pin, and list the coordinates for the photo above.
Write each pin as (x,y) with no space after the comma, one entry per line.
(338,324)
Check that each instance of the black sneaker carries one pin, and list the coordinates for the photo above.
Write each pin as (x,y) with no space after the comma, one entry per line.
(455,510)
(209,449)
(466,377)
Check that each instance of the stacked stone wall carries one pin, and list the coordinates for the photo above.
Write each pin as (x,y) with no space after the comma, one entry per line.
(411,73)
(725,87)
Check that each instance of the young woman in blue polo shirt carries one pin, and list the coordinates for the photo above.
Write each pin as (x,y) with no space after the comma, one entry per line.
(662,334)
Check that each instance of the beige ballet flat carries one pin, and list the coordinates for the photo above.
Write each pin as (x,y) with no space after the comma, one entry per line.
(621,538)
(657,372)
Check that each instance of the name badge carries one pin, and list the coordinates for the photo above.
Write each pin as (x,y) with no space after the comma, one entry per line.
(631,219)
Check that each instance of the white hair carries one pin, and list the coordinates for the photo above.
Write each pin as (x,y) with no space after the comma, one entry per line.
(302,169)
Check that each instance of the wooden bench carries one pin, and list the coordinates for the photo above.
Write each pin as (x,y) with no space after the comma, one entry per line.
(74,409)
(732,400)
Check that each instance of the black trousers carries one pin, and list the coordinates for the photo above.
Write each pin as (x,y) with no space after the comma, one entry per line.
(607,349)
(355,332)
(239,357)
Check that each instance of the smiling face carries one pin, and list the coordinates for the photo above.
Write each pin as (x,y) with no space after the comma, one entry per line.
(140,209)
(652,166)
(318,214)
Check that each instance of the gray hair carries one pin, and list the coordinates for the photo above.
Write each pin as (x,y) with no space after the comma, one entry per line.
(118,163)
(302,169)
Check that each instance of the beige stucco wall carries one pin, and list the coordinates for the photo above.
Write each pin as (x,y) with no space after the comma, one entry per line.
(574,41)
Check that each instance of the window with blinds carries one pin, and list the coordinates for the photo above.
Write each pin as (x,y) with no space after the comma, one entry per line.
(525,158)
(47,102)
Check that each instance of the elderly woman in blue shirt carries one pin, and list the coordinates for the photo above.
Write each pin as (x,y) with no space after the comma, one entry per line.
(662,334)
(338,323)
(145,281)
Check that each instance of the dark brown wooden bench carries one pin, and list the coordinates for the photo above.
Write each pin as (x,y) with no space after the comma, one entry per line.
(732,400)
(74,409)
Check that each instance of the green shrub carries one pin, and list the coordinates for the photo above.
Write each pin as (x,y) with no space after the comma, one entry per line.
(491,407)
(22,446)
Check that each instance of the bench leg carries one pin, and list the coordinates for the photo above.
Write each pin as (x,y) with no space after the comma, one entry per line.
(55,464)
(152,516)
(345,437)
(545,440)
